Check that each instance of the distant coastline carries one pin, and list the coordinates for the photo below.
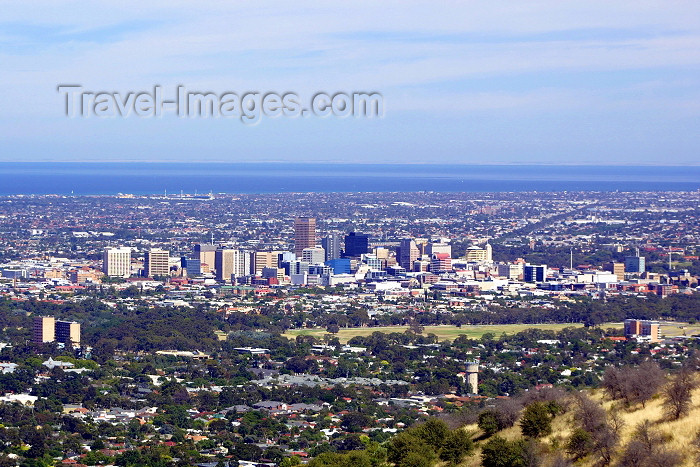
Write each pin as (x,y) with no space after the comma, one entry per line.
(106,178)
(340,162)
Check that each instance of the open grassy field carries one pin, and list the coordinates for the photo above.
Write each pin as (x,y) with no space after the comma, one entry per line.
(670,329)
(443,332)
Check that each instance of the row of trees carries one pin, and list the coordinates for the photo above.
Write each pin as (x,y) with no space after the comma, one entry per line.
(422,445)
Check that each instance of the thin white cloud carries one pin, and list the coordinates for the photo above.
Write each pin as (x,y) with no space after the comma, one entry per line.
(424,56)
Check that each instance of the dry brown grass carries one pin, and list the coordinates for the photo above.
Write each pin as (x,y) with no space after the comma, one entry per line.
(680,433)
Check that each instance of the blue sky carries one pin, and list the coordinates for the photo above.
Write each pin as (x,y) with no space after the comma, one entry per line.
(581,82)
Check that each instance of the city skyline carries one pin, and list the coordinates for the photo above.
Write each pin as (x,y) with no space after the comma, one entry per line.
(125,311)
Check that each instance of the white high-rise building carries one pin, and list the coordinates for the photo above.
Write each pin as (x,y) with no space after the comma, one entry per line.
(231,262)
(157,262)
(313,255)
(116,262)
(243,266)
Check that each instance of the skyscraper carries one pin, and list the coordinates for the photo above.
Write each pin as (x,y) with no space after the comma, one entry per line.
(156,262)
(223,262)
(407,253)
(231,262)
(356,244)
(116,262)
(304,234)
(331,243)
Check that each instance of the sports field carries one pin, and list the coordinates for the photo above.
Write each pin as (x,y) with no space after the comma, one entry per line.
(442,332)
(668,329)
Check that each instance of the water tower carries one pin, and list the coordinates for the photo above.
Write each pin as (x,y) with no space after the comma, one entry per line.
(473,377)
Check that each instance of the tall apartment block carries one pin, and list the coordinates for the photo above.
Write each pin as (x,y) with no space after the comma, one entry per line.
(44,329)
(47,329)
(304,234)
(116,262)
(68,332)
(157,263)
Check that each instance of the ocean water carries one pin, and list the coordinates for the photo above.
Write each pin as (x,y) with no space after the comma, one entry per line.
(155,178)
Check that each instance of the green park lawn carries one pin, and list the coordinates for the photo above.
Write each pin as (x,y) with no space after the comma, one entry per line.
(668,329)
(442,332)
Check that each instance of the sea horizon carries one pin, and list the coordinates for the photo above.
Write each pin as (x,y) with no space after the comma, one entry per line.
(141,178)
(337,162)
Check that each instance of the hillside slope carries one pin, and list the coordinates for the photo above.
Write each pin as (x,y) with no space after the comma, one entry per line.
(680,434)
